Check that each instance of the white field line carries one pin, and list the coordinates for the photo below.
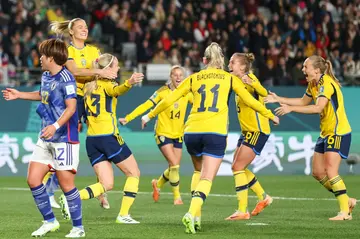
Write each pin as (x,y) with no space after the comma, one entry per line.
(188,194)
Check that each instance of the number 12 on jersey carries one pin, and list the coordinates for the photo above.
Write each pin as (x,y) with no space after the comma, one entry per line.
(215,93)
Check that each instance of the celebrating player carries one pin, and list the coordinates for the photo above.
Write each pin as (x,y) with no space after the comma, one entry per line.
(79,63)
(103,143)
(207,125)
(335,136)
(169,131)
(58,144)
(255,132)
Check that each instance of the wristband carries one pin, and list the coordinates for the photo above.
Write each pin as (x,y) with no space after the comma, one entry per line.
(56,125)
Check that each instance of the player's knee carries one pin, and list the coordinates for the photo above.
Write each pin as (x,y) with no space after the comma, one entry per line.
(33,182)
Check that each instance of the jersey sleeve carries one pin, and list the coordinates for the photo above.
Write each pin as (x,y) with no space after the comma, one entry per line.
(69,89)
(326,90)
(139,110)
(183,89)
(260,90)
(190,97)
(113,89)
(156,97)
(308,92)
(239,88)
(71,54)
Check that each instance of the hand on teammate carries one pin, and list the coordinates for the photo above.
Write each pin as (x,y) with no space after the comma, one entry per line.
(136,78)
(11,94)
(48,132)
(123,121)
(247,80)
(271,98)
(108,73)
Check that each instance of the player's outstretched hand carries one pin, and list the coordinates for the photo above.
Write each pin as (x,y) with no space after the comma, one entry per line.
(271,98)
(282,110)
(123,121)
(11,94)
(48,132)
(136,78)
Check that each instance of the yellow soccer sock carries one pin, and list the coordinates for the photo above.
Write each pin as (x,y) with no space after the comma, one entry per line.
(92,191)
(174,179)
(194,182)
(47,176)
(241,187)
(339,189)
(255,185)
(130,190)
(326,183)
(163,178)
(199,196)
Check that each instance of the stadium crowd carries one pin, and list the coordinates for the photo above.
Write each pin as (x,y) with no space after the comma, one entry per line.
(281,33)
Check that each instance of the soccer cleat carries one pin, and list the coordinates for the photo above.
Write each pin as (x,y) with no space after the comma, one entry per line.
(53,202)
(64,207)
(341,216)
(237,215)
(197,223)
(103,200)
(156,190)
(126,220)
(188,221)
(45,228)
(76,232)
(178,201)
(352,204)
(261,205)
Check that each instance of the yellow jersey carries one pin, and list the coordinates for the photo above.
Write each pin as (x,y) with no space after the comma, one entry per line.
(84,59)
(170,122)
(100,107)
(211,90)
(333,119)
(249,119)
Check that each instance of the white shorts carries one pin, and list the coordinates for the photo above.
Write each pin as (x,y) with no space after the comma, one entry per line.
(58,156)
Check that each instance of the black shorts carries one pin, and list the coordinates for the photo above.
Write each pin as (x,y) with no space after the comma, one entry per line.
(163,140)
(81,108)
(107,148)
(255,140)
(334,143)
(213,145)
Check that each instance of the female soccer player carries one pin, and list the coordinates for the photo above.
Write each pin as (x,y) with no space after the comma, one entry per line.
(104,143)
(335,136)
(58,144)
(169,131)
(207,124)
(255,132)
(79,63)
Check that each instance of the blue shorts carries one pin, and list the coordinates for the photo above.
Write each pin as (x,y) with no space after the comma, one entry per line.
(107,148)
(254,140)
(213,145)
(81,108)
(334,143)
(163,140)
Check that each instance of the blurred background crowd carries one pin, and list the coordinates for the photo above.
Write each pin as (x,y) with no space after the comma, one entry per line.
(280,33)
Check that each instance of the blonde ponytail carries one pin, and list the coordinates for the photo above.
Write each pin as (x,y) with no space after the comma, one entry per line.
(329,71)
(214,56)
(104,61)
(62,28)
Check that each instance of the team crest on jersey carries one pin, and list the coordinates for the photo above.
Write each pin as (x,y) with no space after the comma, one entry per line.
(162,139)
(176,105)
(83,62)
(53,86)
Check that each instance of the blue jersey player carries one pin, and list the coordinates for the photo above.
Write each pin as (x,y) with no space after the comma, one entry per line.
(58,144)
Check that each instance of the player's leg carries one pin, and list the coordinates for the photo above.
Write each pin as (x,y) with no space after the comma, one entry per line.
(52,184)
(195,179)
(336,148)
(318,165)
(168,150)
(38,167)
(70,201)
(126,162)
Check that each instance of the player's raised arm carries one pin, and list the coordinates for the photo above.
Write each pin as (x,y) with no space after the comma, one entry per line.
(274,98)
(183,89)
(13,94)
(239,88)
(125,87)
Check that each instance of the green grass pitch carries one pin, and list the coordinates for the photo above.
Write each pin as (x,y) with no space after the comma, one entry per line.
(300,210)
